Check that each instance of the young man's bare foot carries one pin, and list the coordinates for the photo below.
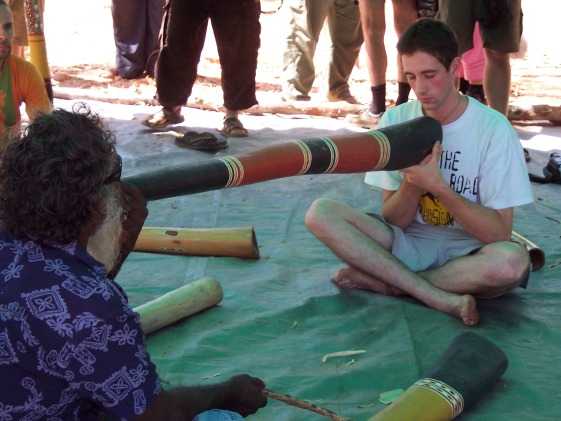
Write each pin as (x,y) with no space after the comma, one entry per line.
(468,310)
(350,278)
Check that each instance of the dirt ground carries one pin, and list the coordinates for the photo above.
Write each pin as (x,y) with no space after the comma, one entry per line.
(81,52)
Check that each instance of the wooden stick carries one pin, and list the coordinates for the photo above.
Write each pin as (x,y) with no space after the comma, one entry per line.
(536,112)
(537,255)
(178,304)
(229,242)
(289,400)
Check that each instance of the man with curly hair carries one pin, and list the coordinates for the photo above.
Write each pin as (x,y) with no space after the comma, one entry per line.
(70,346)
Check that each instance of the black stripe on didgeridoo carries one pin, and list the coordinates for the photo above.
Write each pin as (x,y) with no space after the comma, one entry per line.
(179,180)
(321,155)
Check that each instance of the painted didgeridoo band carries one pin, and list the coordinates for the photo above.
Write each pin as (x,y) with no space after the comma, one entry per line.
(36,41)
(462,376)
(391,148)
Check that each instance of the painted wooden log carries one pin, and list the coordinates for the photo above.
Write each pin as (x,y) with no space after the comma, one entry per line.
(226,242)
(537,255)
(36,41)
(179,304)
(462,376)
(390,148)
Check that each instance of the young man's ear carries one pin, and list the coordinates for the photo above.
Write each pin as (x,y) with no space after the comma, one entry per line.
(455,65)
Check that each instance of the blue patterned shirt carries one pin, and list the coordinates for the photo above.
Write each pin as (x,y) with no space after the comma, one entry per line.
(70,345)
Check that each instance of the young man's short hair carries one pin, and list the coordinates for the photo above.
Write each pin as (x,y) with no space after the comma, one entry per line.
(432,37)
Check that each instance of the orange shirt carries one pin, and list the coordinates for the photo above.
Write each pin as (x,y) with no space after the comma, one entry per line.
(27,87)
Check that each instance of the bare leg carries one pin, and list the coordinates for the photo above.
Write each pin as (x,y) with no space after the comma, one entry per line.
(363,243)
(404,14)
(497,80)
(492,271)
(373,23)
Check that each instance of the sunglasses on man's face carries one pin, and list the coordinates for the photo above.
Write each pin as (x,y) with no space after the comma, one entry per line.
(115,175)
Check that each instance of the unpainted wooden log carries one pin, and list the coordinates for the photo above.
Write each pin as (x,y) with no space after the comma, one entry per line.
(179,304)
(227,242)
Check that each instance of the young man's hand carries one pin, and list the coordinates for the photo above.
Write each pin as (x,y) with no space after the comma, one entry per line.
(245,394)
(426,175)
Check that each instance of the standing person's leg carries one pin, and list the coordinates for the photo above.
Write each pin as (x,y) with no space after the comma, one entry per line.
(183,36)
(404,14)
(497,80)
(346,38)
(237,31)
(129,29)
(305,19)
(473,62)
(373,20)
(364,242)
(154,15)
(501,36)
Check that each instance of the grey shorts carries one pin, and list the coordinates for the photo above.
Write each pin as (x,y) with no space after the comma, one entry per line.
(500,25)
(421,247)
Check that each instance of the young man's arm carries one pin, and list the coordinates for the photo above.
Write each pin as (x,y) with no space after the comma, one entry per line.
(486,224)
(400,206)
(242,394)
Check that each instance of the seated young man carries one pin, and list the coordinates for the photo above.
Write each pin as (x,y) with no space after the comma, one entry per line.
(447,222)
(70,345)
(20,82)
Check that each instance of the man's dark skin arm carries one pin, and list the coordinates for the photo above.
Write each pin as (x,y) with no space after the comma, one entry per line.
(135,213)
(242,394)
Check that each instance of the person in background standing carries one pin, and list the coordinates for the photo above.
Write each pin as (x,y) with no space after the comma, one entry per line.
(136,26)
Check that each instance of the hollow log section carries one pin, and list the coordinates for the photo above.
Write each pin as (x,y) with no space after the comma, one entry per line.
(179,304)
(461,377)
(36,41)
(226,242)
(391,148)
(537,255)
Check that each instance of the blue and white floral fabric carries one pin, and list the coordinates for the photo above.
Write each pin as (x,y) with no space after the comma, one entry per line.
(70,345)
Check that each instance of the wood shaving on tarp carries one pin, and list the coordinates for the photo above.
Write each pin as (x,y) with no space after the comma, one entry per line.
(348,353)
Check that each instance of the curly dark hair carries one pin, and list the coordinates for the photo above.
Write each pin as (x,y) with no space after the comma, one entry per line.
(432,37)
(50,179)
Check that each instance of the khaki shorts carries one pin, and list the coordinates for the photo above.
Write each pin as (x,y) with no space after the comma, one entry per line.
(422,247)
(501,27)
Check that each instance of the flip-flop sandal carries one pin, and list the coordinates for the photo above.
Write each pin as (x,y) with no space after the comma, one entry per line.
(205,142)
(233,127)
(163,119)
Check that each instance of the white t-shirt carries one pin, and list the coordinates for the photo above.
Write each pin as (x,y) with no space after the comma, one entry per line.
(482,160)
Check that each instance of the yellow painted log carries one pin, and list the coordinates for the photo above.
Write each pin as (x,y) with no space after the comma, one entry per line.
(419,404)
(537,255)
(229,242)
(179,304)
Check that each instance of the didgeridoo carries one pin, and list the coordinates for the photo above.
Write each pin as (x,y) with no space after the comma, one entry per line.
(227,242)
(462,376)
(36,41)
(178,304)
(390,148)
